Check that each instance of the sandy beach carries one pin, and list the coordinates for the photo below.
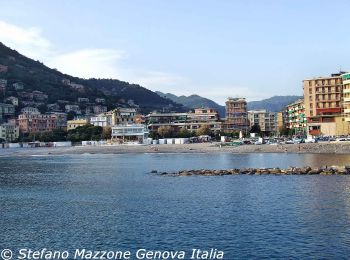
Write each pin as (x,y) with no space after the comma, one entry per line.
(324,148)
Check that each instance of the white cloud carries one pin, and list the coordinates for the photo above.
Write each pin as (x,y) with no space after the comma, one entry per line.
(29,41)
(89,63)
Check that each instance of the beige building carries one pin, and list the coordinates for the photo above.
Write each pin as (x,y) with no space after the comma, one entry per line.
(203,117)
(115,117)
(9,132)
(267,121)
(72,124)
(323,105)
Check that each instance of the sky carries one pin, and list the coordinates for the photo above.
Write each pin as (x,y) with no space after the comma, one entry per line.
(213,48)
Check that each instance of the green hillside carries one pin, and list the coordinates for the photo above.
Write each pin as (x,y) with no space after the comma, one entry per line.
(35,76)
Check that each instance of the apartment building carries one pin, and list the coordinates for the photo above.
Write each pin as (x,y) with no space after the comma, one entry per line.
(203,116)
(296,120)
(6,111)
(323,105)
(33,123)
(72,124)
(9,132)
(115,117)
(267,121)
(346,97)
(236,115)
(135,133)
(156,120)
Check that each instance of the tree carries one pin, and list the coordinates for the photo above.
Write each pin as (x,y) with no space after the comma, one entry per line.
(184,133)
(203,130)
(85,133)
(165,131)
(255,129)
(107,132)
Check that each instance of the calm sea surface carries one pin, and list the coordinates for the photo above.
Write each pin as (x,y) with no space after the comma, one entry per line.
(112,202)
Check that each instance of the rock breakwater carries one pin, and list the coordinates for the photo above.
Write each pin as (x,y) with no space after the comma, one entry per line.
(333,170)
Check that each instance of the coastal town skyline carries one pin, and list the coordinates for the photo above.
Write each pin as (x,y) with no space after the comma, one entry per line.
(230,49)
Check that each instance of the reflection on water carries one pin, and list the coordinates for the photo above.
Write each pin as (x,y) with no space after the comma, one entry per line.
(112,202)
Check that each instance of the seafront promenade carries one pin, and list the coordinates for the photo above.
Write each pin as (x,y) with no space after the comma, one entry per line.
(317,148)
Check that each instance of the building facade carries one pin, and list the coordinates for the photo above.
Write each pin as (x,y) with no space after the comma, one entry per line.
(267,121)
(236,115)
(33,123)
(135,133)
(9,132)
(296,119)
(72,124)
(175,120)
(346,97)
(203,117)
(6,111)
(115,117)
(323,97)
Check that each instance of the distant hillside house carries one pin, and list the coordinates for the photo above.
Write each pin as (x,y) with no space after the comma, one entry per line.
(83,100)
(25,95)
(30,110)
(38,95)
(100,100)
(18,85)
(99,109)
(53,107)
(3,84)
(76,86)
(13,100)
(73,108)
(6,111)
(66,81)
(3,68)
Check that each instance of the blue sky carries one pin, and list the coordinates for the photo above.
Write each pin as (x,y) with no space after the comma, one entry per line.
(254,49)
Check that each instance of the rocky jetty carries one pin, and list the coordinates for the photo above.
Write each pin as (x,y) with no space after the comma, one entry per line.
(333,170)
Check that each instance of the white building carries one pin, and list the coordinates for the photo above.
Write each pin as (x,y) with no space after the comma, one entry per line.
(134,133)
(18,85)
(13,100)
(30,110)
(73,108)
(99,109)
(100,120)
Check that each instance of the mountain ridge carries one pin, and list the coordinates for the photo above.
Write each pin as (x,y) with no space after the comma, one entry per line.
(272,104)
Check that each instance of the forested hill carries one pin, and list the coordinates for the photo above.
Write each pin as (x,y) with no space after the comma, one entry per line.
(35,76)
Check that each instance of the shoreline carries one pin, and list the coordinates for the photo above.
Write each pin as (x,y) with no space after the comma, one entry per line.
(306,148)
